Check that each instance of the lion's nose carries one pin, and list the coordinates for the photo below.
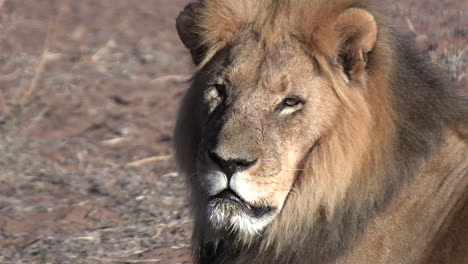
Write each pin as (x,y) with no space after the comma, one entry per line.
(231,166)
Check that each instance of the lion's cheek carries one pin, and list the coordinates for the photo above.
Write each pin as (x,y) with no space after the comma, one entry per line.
(273,189)
(284,180)
(281,188)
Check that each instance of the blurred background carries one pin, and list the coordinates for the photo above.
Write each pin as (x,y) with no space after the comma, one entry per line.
(89,91)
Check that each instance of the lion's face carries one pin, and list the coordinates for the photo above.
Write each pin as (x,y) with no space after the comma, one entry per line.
(262,115)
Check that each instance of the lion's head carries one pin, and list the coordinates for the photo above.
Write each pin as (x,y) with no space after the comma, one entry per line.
(266,93)
(262,115)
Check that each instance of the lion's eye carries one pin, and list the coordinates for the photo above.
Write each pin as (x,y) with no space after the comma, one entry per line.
(220,87)
(290,104)
(213,95)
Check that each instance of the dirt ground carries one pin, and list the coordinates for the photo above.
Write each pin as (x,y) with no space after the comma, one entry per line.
(89,93)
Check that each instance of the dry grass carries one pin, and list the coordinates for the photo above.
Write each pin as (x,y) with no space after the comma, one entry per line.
(148,160)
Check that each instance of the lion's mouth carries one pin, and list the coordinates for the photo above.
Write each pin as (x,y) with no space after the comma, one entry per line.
(230,196)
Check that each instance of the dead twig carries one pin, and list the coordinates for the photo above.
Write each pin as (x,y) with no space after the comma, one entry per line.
(105,260)
(37,76)
(10,76)
(114,141)
(45,58)
(5,108)
(6,78)
(104,50)
(40,68)
(148,160)
(140,261)
(410,26)
(172,78)
(162,227)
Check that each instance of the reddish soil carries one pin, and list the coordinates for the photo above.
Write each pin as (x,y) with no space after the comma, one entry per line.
(83,99)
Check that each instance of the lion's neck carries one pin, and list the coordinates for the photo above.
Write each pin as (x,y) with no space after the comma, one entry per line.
(420,213)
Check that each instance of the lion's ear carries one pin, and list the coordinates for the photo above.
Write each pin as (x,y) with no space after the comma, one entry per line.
(187,28)
(356,30)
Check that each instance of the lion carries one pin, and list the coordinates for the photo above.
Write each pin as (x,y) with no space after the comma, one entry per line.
(312,133)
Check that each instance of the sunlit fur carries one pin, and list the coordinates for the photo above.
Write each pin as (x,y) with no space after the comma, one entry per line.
(392,126)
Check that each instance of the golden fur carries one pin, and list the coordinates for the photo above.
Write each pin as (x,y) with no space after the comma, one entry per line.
(380,144)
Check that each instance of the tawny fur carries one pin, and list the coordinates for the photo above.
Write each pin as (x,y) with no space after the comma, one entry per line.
(386,182)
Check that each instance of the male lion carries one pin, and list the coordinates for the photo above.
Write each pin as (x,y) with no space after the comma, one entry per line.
(312,134)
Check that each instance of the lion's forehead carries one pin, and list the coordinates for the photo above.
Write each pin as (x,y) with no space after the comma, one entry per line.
(251,67)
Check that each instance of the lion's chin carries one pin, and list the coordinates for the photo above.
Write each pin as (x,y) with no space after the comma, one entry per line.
(228,212)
